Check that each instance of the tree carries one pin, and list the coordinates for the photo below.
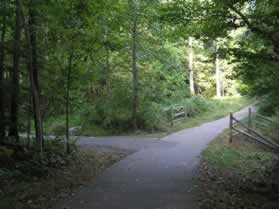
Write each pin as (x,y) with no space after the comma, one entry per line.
(68,88)
(218,73)
(13,131)
(134,4)
(191,68)
(33,82)
(2,67)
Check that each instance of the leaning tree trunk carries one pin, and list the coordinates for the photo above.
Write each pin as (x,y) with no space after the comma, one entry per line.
(191,68)
(34,87)
(218,74)
(2,67)
(13,130)
(135,101)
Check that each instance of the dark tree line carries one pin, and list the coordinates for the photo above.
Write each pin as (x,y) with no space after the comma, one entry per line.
(24,61)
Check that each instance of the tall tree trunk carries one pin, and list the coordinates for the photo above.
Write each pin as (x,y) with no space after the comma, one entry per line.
(2,67)
(33,38)
(33,41)
(34,87)
(107,50)
(69,73)
(218,74)
(13,131)
(191,68)
(29,117)
(36,104)
(135,73)
(108,88)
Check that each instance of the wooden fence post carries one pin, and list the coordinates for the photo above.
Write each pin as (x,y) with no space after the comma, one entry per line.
(231,127)
(171,114)
(250,120)
(185,109)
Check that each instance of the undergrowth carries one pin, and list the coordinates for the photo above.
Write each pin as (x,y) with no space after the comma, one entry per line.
(27,182)
(152,117)
(237,175)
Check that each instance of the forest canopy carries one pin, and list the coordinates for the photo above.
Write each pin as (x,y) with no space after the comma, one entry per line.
(117,64)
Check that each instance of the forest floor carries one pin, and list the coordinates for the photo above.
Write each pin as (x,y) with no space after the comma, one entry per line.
(237,175)
(21,190)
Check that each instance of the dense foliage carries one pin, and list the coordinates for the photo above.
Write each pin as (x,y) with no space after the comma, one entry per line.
(117,64)
(251,29)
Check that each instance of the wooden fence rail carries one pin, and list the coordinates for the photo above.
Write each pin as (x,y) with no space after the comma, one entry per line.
(249,131)
(267,119)
(176,114)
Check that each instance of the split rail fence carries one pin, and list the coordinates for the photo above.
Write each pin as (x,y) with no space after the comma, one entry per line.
(251,129)
(176,114)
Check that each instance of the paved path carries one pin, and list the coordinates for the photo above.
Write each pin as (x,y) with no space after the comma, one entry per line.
(132,143)
(156,177)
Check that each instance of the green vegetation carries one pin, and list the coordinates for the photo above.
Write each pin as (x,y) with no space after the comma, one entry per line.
(113,66)
(200,110)
(242,156)
(213,109)
(237,175)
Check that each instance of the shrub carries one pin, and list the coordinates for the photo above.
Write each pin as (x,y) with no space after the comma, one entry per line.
(152,116)
(269,105)
(195,105)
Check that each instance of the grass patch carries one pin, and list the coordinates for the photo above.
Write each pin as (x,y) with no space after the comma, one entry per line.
(56,125)
(242,155)
(216,109)
(236,175)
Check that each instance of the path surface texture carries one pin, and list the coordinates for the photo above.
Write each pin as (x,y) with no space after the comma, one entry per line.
(159,175)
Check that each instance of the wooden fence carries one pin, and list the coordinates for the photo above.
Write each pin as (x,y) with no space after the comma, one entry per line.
(247,129)
(176,114)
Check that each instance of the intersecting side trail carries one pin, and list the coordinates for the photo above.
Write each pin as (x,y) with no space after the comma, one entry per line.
(159,176)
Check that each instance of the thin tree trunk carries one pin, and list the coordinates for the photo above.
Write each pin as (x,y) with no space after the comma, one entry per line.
(33,38)
(108,89)
(107,50)
(218,74)
(13,131)
(191,68)
(29,120)
(33,41)
(69,73)
(2,67)
(34,87)
(135,73)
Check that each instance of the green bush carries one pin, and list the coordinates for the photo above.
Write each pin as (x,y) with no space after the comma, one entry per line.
(198,104)
(269,105)
(113,118)
(152,116)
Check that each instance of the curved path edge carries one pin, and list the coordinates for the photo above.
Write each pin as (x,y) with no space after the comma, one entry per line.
(156,177)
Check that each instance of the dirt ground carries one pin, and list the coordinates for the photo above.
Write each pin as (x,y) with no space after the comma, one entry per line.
(43,193)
